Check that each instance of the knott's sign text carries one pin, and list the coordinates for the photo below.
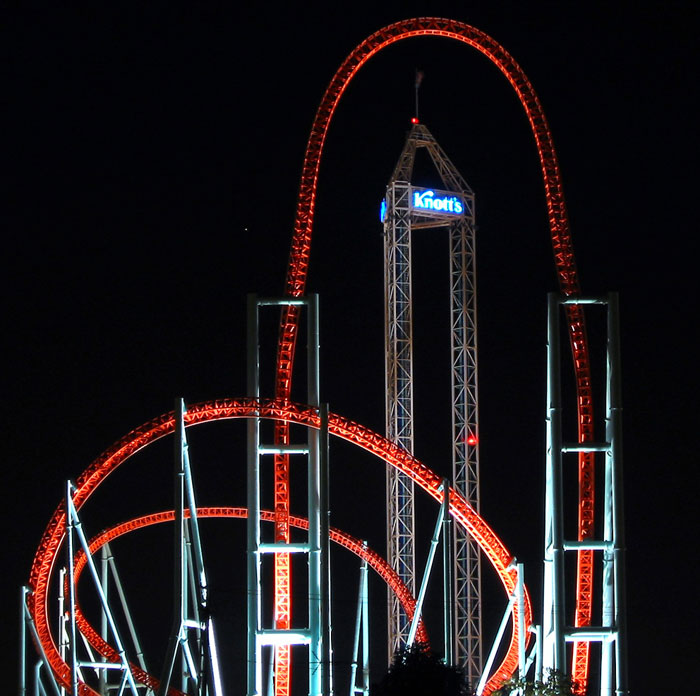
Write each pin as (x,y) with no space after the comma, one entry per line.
(428,200)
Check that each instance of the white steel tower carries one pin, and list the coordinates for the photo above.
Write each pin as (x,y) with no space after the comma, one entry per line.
(611,631)
(411,208)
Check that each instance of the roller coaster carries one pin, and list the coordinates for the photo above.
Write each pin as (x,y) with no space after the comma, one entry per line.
(64,673)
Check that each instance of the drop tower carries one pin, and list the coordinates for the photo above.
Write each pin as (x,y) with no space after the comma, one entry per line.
(406,209)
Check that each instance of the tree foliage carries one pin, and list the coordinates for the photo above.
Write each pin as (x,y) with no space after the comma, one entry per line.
(556,684)
(418,671)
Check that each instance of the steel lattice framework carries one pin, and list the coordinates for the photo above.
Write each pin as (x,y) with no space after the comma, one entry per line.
(401,219)
(398,340)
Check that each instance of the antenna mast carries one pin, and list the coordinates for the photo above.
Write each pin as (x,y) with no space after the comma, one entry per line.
(419,78)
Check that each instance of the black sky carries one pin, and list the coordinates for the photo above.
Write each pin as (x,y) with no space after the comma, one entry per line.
(152,158)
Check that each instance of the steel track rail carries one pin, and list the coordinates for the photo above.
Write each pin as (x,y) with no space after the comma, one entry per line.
(564,260)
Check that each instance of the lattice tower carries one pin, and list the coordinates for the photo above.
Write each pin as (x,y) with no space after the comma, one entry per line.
(401,218)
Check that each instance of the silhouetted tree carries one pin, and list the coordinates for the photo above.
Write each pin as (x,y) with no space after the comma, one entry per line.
(418,671)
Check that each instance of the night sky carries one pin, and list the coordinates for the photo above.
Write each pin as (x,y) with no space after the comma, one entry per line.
(152,158)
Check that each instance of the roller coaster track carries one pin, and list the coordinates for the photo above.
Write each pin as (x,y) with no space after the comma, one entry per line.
(285,412)
(564,261)
(374,560)
(47,555)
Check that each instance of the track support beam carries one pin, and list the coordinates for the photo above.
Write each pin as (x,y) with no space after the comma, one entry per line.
(316,634)
(612,632)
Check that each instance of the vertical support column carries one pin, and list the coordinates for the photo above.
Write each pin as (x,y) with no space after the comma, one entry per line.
(254,657)
(22,681)
(104,577)
(180,588)
(316,667)
(522,633)
(365,635)
(537,629)
(191,663)
(361,629)
(27,630)
(553,610)
(614,581)
(465,438)
(447,582)
(399,400)
(612,631)
(317,634)
(326,644)
(63,619)
(608,563)
(72,630)
(443,513)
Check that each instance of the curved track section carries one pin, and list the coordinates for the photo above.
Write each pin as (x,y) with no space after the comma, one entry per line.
(374,560)
(564,260)
(46,557)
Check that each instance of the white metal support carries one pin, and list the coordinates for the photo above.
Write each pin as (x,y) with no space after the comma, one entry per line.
(536,653)
(317,633)
(448,581)
(192,641)
(522,632)
(63,619)
(28,631)
(496,643)
(612,633)
(22,681)
(517,599)
(72,630)
(443,513)
(74,531)
(104,628)
(361,630)
(109,571)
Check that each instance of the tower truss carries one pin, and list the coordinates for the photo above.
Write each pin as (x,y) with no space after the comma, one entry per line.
(410,208)
(284,412)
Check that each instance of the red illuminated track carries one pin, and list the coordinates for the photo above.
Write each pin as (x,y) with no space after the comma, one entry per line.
(374,560)
(561,243)
(47,555)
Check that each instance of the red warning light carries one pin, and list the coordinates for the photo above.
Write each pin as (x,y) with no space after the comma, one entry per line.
(472,440)
(415,120)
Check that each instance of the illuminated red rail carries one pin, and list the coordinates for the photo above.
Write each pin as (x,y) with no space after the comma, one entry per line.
(47,555)
(374,560)
(563,259)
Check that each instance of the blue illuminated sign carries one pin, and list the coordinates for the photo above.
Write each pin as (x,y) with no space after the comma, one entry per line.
(382,210)
(428,200)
